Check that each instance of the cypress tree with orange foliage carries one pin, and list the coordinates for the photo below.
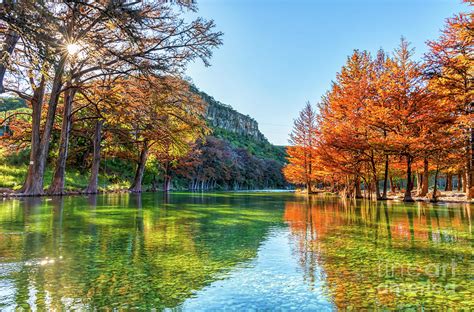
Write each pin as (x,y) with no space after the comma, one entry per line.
(450,65)
(301,168)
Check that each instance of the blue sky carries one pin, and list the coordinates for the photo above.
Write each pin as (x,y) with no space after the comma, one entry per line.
(278,54)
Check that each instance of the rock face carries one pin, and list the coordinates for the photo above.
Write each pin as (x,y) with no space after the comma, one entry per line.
(223,116)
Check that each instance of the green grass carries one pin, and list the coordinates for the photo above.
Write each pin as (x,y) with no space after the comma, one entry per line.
(13,177)
(13,169)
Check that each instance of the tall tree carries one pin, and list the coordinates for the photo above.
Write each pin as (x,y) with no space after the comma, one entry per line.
(450,64)
(350,99)
(408,95)
(301,167)
(158,114)
(111,37)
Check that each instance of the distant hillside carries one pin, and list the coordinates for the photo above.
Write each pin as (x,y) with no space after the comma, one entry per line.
(239,129)
(261,149)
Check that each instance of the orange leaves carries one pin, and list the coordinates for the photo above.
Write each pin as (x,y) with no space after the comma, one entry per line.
(303,163)
(377,108)
(162,111)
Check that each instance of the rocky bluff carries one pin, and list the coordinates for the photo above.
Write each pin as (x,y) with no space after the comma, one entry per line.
(223,116)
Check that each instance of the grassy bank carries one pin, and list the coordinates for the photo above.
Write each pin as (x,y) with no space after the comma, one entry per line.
(12,177)
(13,169)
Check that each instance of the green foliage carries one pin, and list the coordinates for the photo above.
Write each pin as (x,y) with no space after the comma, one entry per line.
(261,149)
(261,170)
(11,103)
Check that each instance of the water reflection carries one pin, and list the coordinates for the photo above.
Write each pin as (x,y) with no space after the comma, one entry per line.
(123,251)
(386,254)
(272,281)
(236,251)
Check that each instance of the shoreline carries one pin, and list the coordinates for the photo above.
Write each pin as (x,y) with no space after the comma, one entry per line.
(9,193)
(440,200)
(443,198)
(450,197)
(13,194)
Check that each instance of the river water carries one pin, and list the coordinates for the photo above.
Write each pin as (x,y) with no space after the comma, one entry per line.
(233,251)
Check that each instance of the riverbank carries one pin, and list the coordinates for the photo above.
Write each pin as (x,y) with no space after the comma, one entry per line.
(10,193)
(6,193)
(114,175)
(443,196)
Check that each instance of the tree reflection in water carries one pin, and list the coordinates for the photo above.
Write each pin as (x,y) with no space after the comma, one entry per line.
(123,251)
(386,254)
(127,251)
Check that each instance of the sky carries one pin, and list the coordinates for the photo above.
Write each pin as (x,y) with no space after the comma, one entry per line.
(279,54)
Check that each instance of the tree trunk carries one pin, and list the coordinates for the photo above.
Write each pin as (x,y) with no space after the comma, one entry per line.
(11,38)
(57,184)
(167,177)
(393,187)
(409,187)
(358,193)
(426,177)
(93,186)
(137,182)
(167,183)
(33,168)
(470,158)
(385,179)
(308,187)
(374,174)
(367,189)
(463,178)
(449,182)
(33,185)
(468,176)
(419,183)
(154,187)
(434,198)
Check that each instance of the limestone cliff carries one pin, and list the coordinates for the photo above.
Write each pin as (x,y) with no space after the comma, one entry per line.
(224,117)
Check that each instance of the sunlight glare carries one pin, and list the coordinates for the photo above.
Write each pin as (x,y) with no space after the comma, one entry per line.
(73,48)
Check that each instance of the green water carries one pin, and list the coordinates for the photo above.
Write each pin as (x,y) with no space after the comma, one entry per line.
(233,251)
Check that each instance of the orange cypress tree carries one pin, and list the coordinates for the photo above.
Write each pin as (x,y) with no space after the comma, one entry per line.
(301,168)
(351,143)
(450,66)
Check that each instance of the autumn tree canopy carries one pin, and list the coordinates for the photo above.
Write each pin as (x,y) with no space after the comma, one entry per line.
(56,50)
(389,117)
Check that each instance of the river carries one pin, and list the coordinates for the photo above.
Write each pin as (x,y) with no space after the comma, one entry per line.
(233,251)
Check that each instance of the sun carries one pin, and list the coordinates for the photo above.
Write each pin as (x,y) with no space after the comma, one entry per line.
(73,48)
